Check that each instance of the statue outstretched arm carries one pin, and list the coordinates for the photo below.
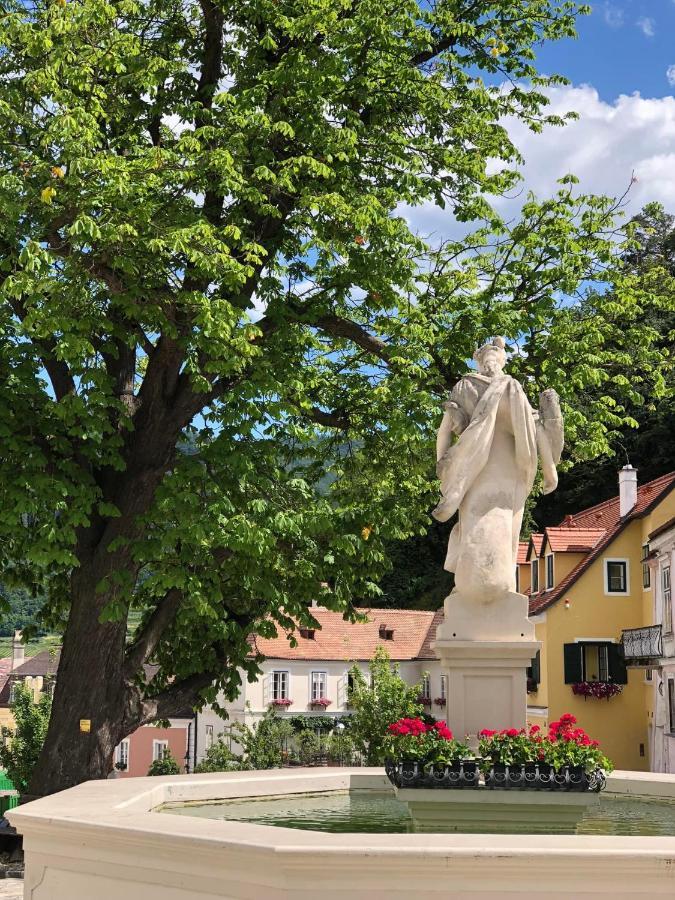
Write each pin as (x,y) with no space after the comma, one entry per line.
(454,421)
(550,437)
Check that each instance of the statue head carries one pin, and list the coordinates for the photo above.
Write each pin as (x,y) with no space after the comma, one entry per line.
(491,357)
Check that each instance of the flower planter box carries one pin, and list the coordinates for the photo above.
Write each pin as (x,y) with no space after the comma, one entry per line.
(540,776)
(412,774)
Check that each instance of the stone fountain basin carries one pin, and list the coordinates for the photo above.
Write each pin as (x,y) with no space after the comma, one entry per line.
(104,840)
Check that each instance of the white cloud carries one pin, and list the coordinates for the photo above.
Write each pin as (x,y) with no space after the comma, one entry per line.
(604,148)
(613,15)
(670,72)
(646,26)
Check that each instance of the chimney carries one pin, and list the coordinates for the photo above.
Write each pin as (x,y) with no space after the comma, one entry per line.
(18,651)
(627,489)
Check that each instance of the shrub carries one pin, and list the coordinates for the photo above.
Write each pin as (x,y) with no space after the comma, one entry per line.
(22,745)
(376,705)
(219,758)
(263,743)
(340,748)
(308,746)
(166,765)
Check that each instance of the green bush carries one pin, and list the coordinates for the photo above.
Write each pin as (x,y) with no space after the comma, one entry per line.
(167,765)
(340,748)
(219,758)
(308,746)
(22,745)
(378,703)
(264,742)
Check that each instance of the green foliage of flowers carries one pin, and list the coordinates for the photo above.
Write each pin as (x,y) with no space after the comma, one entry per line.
(377,701)
(22,744)
(219,758)
(263,742)
(425,742)
(564,745)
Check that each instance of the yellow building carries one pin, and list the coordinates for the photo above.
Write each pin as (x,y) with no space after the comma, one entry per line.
(589,582)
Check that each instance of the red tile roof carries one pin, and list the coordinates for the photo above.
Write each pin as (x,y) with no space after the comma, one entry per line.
(606,516)
(522,552)
(573,540)
(414,630)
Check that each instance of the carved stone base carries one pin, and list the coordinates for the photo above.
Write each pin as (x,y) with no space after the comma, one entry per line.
(485,683)
(501,620)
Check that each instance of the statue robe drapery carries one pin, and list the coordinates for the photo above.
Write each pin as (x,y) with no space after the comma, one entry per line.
(487,475)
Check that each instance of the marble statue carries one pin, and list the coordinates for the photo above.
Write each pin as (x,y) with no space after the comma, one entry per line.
(488,472)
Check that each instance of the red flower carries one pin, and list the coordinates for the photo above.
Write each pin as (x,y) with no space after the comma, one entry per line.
(511,732)
(487,732)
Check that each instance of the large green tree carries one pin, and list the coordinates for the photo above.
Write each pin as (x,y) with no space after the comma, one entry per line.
(211,293)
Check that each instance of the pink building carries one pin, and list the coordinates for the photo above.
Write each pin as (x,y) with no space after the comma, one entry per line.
(149,743)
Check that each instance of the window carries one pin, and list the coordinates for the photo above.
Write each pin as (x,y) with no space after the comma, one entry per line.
(443,697)
(426,686)
(646,576)
(649,674)
(517,579)
(594,661)
(350,683)
(280,686)
(160,749)
(386,634)
(209,736)
(12,692)
(533,672)
(535,575)
(549,571)
(318,686)
(667,600)
(307,633)
(671,705)
(122,756)
(616,576)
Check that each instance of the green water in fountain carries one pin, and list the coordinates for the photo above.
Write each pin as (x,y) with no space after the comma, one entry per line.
(367,812)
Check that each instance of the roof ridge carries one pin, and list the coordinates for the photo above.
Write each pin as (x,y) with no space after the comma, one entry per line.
(615,497)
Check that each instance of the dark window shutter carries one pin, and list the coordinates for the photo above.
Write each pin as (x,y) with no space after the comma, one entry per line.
(572,656)
(617,667)
(536,667)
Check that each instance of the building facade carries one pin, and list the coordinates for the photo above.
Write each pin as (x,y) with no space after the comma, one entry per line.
(312,678)
(590,600)
(659,645)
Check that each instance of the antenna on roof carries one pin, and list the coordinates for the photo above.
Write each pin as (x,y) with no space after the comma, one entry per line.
(625,452)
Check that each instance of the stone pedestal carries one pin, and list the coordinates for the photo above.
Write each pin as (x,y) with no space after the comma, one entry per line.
(481,811)
(484,651)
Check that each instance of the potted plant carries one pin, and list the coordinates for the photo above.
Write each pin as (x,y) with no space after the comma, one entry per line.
(425,754)
(440,701)
(281,702)
(600,690)
(424,701)
(577,761)
(506,754)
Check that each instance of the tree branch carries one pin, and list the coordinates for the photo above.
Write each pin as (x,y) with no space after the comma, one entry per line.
(345,328)
(58,370)
(147,638)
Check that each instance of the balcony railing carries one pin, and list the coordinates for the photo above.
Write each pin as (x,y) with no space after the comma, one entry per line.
(642,644)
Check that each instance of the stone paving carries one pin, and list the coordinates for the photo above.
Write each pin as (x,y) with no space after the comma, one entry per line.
(11,889)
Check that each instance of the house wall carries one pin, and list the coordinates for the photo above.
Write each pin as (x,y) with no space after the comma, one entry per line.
(662,744)
(623,724)
(255,697)
(141,747)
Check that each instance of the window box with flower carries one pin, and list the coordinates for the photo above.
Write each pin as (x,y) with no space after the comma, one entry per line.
(281,702)
(425,754)
(320,703)
(600,690)
(440,701)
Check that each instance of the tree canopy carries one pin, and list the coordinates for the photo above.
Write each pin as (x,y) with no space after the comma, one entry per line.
(212,294)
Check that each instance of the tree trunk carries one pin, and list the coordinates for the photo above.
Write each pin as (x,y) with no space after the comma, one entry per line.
(90,688)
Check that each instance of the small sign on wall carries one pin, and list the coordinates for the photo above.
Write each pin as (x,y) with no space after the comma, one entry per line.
(85,725)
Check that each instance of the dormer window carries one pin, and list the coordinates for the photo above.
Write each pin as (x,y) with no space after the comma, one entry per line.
(307,633)
(535,575)
(549,571)
(386,634)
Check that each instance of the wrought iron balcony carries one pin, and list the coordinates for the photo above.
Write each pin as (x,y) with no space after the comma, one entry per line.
(642,644)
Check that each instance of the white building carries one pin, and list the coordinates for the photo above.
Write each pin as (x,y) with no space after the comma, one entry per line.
(660,562)
(312,678)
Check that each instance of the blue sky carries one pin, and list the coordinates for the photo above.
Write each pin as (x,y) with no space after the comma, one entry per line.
(623,46)
(620,88)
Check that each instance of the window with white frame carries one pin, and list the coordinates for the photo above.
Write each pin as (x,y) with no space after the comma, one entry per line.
(426,686)
(535,576)
(318,686)
(122,756)
(208,739)
(160,749)
(443,687)
(646,574)
(667,600)
(280,680)
(616,576)
(549,571)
